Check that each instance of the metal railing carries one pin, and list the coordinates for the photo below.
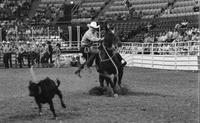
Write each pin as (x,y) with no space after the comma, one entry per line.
(178,48)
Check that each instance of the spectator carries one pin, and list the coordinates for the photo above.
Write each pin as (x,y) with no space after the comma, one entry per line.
(57,54)
(140,15)
(196,6)
(92,12)
(127,3)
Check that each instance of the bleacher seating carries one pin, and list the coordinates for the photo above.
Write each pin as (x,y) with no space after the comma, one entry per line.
(14,9)
(151,11)
(148,7)
(87,6)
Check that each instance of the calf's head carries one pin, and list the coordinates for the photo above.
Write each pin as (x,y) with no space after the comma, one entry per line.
(33,89)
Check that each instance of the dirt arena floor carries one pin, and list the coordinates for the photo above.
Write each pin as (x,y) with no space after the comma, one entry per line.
(158,96)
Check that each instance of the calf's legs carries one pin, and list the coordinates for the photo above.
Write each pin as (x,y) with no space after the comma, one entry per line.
(61,98)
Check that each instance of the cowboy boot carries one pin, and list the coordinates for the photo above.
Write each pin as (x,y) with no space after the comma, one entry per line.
(78,72)
(124,63)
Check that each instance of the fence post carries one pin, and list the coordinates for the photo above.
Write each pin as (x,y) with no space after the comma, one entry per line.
(99,32)
(188,54)
(0,34)
(70,35)
(188,48)
(152,52)
(175,56)
(78,36)
(32,33)
(142,48)
(142,53)
(59,31)
(48,32)
(198,49)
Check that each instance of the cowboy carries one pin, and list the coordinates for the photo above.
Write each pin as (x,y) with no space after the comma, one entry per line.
(20,54)
(44,54)
(6,55)
(10,48)
(37,50)
(30,57)
(57,55)
(89,38)
(50,51)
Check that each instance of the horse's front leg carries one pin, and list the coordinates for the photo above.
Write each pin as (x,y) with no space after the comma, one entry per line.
(120,75)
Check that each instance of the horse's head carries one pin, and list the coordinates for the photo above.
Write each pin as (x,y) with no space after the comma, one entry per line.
(108,32)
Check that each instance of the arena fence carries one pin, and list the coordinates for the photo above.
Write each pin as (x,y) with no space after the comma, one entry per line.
(171,56)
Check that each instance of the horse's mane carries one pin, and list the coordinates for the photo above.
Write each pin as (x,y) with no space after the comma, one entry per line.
(110,39)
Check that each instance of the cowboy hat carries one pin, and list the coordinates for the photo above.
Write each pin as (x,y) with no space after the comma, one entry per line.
(93,24)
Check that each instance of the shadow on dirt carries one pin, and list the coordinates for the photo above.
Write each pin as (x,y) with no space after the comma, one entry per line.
(31,117)
(20,117)
(99,91)
(147,94)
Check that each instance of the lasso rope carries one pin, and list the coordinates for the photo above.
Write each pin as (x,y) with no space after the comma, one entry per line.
(117,72)
(33,74)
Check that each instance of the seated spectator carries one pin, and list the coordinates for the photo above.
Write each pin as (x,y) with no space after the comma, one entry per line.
(127,3)
(184,24)
(131,11)
(148,38)
(162,37)
(196,6)
(140,15)
(84,13)
(168,11)
(92,12)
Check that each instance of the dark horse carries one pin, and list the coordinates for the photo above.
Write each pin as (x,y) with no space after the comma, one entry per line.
(108,61)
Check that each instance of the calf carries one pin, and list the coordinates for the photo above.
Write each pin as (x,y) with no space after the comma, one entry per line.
(44,91)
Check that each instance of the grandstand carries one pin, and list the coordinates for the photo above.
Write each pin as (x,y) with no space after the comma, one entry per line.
(143,21)
(129,22)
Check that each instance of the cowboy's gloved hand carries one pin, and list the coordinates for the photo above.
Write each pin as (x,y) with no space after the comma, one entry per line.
(102,38)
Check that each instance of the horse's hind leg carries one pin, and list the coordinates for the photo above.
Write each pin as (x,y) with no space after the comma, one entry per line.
(101,80)
(120,77)
(58,92)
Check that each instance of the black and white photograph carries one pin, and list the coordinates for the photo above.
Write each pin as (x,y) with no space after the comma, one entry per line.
(99,61)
